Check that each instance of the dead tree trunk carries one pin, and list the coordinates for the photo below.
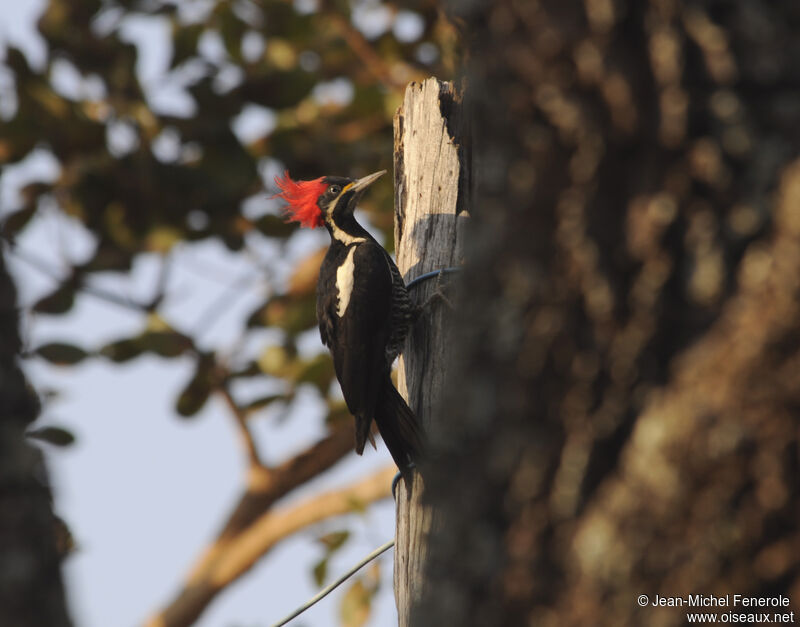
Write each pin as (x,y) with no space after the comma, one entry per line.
(429,171)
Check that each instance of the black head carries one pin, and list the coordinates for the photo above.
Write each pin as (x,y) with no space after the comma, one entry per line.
(341,195)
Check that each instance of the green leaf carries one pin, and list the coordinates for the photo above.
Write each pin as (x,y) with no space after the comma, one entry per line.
(162,238)
(274,360)
(275,226)
(57,436)
(232,29)
(165,343)
(57,302)
(15,222)
(356,605)
(318,371)
(357,505)
(287,312)
(193,398)
(108,257)
(122,350)
(184,42)
(61,354)
(65,541)
(332,542)
(249,370)
(263,401)
(257,318)
(196,393)
(320,571)
(335,540)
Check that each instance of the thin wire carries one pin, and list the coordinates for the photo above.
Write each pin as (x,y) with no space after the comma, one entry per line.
(332,586)
(430,275)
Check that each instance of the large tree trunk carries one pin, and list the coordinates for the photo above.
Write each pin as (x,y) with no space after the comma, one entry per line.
(31,592)
(628,387)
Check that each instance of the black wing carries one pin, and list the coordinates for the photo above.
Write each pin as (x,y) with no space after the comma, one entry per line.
(358,339)
(326,292)
(326,304)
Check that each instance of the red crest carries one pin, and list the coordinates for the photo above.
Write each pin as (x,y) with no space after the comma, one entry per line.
(301,198)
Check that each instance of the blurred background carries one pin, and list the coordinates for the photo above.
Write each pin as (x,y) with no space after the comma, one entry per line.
(622,417)
(164,298)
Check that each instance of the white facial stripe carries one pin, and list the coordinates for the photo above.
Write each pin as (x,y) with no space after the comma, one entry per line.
(338,233)
(332,204)
(344,282)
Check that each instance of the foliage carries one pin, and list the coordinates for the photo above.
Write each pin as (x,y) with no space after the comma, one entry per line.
(146,174)
(356,603)
(144,179)
(187,176)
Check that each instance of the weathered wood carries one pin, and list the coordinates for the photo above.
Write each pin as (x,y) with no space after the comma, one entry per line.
(428,175)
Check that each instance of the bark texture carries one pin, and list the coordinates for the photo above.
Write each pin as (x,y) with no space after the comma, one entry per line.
(623,415)
(429,175)
(31,591)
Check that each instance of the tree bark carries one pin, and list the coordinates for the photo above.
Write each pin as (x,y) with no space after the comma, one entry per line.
(430,175)
(628,380)
(31,590)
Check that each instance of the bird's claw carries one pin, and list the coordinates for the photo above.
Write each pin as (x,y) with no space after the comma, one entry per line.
(438,295)
(395,481)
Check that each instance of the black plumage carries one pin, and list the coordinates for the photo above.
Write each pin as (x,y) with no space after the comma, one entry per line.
(364,314)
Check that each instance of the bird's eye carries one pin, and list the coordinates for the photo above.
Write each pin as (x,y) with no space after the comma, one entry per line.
(334,190)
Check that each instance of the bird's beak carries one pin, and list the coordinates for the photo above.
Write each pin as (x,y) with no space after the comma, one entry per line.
(366,181)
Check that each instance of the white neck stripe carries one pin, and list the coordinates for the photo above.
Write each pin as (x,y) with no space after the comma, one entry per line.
(338,233)
(344,282)
(345,238)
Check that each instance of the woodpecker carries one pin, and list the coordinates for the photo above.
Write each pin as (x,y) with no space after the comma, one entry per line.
(363,309)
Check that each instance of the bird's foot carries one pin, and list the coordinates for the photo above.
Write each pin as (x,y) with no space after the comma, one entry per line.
(395,481)
(437,296)
(407,477)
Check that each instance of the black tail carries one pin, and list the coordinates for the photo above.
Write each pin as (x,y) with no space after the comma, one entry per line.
(399,428)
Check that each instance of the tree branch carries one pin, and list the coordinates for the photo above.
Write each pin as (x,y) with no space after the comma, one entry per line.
(365,52)
(260,496)
(257,472)
(42,266)
(245,548)
(255,502)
